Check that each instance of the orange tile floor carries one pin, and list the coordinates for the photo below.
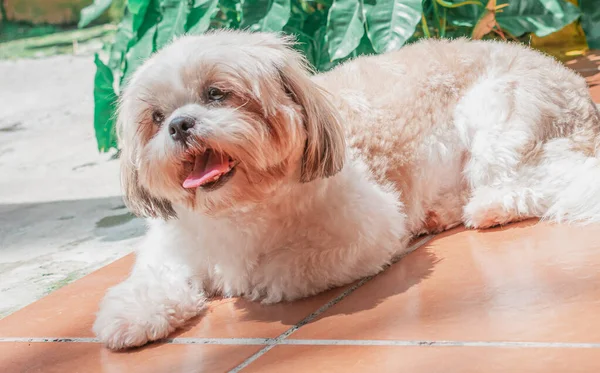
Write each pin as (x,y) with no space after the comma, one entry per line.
(522,298)
(589,67)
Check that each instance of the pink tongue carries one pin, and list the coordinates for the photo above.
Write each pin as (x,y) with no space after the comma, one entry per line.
(206,167)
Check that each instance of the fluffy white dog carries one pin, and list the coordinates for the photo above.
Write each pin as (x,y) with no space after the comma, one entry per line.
(265,182)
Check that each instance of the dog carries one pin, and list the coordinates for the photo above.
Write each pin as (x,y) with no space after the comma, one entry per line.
(260,180)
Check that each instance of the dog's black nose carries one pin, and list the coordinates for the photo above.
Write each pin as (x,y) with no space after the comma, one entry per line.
(179,128)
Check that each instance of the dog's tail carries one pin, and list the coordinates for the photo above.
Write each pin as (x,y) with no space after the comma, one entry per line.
(573,183)
(576,198)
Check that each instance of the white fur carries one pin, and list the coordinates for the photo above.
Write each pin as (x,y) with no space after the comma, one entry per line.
(356,234)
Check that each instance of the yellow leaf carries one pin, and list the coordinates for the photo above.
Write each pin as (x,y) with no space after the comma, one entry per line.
(564,44)
(487,22)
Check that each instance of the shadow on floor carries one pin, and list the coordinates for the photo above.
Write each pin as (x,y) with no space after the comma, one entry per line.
(408,272)
(58,221)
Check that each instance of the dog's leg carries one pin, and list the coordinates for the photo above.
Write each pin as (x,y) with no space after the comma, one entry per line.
(336,248)
(287,275)
(492,206)
(160,295)
(572,180)
(534,151)
(500,129)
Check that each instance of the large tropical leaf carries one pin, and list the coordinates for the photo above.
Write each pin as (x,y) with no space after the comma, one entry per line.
(123,39)
(145,45)
(138,9)
(590,21)
(265,15)
(104,99)
(92,12)
(466,16)
(391,22)
(172,22)
(140,51)
(295,26)
(541,17)
(345,27)
(201,14)
(322,59)
(229,10)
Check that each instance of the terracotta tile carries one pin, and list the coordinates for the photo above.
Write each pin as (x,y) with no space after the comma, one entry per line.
(238,318)
(70,312)
(426,359)
(595,92)
(525,282)
(91,358)
(589,67)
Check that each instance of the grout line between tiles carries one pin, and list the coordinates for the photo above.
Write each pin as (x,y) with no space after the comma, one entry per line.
(322,342)
(272,343)
(377,342)
(48,339)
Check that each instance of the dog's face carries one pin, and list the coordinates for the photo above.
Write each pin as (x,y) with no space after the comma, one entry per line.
(220,121)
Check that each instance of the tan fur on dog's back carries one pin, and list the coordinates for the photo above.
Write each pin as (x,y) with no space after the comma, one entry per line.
(386,122)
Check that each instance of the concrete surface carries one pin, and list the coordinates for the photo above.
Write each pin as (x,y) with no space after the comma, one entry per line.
(61,214)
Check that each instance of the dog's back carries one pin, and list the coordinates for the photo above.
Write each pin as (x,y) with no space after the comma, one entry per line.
(444,119)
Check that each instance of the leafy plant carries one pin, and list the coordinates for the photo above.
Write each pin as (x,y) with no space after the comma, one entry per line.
(328,31)
(591,22)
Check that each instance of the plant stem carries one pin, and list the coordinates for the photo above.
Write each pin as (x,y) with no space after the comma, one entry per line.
(446,4)
(436,14)
(424,26)
(443,27)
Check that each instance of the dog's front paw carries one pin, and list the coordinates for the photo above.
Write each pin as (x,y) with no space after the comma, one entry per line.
(120,329)
(133,314)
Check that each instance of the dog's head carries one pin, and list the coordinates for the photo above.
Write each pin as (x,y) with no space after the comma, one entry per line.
(221,120)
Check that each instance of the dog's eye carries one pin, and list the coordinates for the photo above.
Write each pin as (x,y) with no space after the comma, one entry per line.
(215,94)
(158,117)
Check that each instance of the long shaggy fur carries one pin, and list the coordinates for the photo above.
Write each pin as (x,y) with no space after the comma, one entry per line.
(335,173)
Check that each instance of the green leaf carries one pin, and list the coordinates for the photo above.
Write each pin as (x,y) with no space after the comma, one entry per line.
(123,39)
(364,47)
(229,11)
(304,42)
(201,14)
(92,12)
(590,21)
(172,23)
(265,15)
(345,27)
(391,22)
(466,15)
(140,51)
(104,106)
(151,18)
(146,44)
(138,6)
(541,17)
(138,9)
(323,60)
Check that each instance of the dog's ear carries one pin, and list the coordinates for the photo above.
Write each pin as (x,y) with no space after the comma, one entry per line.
(136,197)
(324,153)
